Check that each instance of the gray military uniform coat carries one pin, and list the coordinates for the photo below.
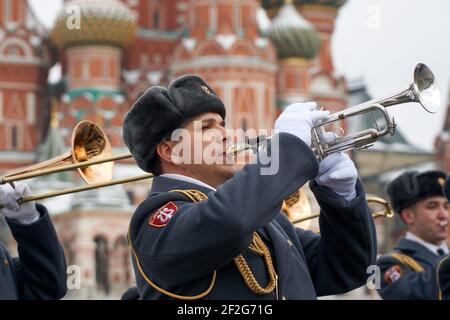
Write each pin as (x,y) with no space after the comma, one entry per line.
(200,238)
(40,270)
(411,285)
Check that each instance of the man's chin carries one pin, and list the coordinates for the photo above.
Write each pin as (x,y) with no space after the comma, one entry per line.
(439,237)
(443,236)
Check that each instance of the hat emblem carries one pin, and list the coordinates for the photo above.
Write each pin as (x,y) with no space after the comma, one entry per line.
(205,88)
(441,181)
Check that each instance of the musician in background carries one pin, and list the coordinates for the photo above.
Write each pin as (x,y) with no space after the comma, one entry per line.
(40,270)
(214,230)
(418,267)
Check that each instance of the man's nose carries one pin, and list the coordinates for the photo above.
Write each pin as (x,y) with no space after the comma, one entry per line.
(443,213)
(223,135)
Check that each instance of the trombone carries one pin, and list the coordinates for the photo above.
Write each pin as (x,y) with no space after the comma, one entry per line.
(91,154)
(386,212)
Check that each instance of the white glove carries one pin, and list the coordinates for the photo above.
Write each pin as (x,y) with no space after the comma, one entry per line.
(299,118)
(338,172)
(25,213)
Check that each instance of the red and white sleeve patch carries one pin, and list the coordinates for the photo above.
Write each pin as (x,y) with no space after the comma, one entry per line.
(163,215)
(393,274)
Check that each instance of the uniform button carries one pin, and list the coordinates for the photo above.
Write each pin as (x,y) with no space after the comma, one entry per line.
(289,243)
(6,263)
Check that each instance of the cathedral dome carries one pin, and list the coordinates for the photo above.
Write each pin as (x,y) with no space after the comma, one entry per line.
(292,35)
(100,22)
(271,4)
(329,3)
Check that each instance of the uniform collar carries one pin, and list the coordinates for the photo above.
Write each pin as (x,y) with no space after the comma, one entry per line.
(416,251)
(433,248)
(184,178)
(162,184)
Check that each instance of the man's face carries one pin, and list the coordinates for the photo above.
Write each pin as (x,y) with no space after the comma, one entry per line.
(428,219)
(201,152)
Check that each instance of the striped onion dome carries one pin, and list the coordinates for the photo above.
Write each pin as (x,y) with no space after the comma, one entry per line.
(100,22)
(273,4)
(329,3)
(292,35)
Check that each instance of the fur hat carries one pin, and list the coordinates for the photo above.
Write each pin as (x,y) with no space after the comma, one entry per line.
(159,111)
(412,186)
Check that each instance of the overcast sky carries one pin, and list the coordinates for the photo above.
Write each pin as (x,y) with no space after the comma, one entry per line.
(380,41)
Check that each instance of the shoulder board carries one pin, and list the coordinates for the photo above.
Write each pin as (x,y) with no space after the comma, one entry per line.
(191,194)
(407,261)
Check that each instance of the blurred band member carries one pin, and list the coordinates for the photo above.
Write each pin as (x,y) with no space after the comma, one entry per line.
(40,270)
(418,268)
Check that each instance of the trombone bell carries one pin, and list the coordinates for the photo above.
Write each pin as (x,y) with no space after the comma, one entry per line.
(89,142)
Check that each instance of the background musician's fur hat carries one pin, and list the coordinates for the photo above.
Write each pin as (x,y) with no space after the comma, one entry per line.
(413,186)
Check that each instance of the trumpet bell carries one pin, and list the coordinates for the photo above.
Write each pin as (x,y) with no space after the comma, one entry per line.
(89,142)
(428,92)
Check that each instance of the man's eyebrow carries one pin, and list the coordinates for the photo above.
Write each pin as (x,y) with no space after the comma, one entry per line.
(212,121)
(207,121)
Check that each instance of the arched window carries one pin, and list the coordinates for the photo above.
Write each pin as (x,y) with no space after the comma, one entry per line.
(102,264)
(131,196)
(85,70)
(13,51)
(70,254)
(244,124)
(15,131)
(156,15)
(122,253)
(8,11)
(14,138)
(156,19)
(15,47)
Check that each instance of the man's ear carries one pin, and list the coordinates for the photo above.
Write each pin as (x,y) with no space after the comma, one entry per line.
(408,216)
(165,152)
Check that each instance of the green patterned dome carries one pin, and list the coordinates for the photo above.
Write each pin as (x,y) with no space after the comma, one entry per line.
(273,6)
(292,35)
(101,21)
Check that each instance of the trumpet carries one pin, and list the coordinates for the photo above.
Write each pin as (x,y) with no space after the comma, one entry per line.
(423,90)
